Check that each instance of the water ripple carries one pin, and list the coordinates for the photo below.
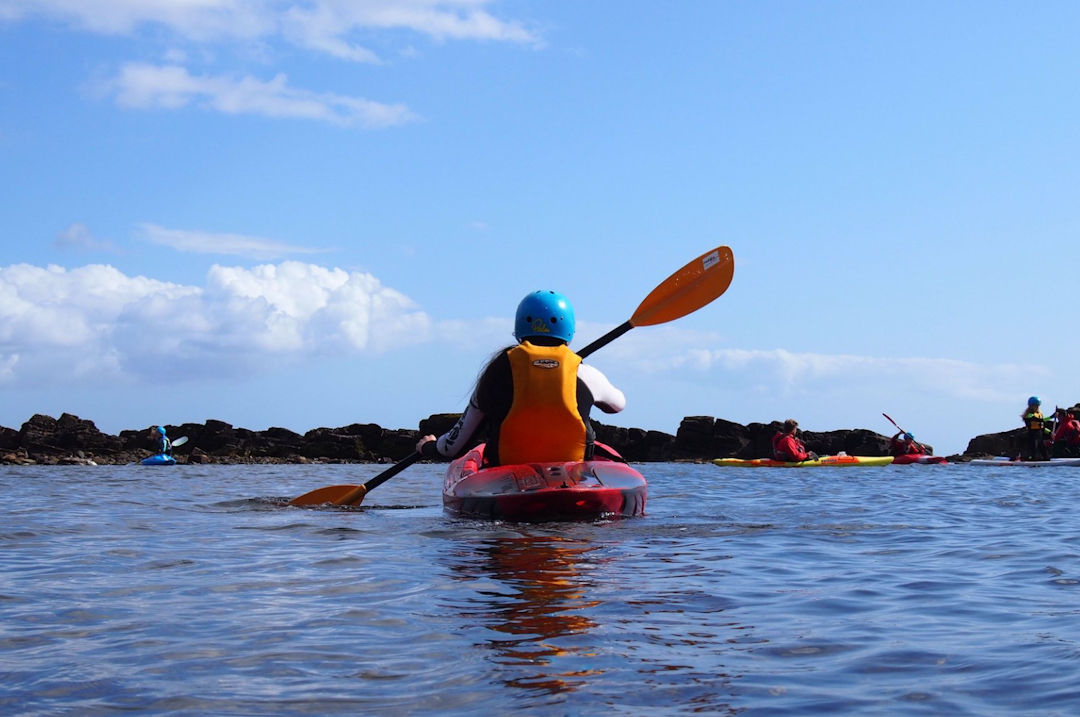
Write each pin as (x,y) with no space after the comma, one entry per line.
(893,591)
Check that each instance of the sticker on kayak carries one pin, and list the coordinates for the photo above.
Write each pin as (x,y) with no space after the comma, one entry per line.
(710,260)
(546,363)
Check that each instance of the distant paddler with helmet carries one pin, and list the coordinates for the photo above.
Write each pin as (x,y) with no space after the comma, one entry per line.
(1035,438)
(904,444)
(532,400)
(164,445)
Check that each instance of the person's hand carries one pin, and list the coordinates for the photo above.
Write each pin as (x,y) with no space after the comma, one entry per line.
(420,444)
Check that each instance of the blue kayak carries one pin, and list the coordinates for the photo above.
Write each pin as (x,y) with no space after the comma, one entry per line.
(160,459)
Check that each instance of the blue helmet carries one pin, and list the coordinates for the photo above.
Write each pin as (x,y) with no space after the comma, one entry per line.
(909,437)
(161,430)
(544,313)
(1034,401)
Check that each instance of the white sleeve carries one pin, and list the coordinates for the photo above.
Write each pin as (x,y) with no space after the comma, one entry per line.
(605,396)
(450,444)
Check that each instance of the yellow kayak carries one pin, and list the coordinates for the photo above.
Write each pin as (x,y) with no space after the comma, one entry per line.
(822,461)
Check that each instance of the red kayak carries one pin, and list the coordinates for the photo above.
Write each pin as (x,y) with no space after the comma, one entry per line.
(571,490)
(909,458)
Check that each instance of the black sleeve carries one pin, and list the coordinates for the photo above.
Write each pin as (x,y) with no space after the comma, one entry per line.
(495,389)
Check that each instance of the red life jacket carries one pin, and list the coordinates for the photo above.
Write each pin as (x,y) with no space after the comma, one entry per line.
(787,447)
(900,447)
(1068,432)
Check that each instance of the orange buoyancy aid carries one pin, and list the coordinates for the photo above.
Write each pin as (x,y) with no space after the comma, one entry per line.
(543,423)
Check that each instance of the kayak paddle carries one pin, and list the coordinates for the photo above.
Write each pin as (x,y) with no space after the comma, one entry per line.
(179,441)
(352,494)
(684,292)
(921,446)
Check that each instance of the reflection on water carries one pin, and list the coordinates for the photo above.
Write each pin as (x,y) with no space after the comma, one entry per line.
(535,606)
(584,616)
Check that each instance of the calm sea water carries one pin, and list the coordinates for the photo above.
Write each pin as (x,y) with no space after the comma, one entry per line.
(951,590)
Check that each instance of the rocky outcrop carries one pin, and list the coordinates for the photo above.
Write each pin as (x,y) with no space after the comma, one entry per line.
(1006,443)
(67,434)
(9,440)
(636,444)
(70,439)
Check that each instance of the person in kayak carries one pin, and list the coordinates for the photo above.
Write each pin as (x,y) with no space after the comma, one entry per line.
(905,445)
(164,445)
(786,447)
(1034,441)
(532,400)
(1066,443)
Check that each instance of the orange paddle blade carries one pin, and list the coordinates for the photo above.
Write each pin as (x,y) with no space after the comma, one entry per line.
(353,494)
(688,289)
(332,494)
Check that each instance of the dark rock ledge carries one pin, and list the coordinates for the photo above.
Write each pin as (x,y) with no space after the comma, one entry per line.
(73,440)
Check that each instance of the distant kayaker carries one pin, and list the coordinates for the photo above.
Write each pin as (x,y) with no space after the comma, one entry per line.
(1067,436)
(164,445)
(903,444)
(532,400)
(786,447)
(1034,445)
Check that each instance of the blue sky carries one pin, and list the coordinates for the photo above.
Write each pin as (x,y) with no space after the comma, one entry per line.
(313,213)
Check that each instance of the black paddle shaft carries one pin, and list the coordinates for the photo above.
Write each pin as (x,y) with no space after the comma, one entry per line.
(392,471)
(606,339)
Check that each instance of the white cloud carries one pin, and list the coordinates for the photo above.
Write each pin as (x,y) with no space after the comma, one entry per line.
(7,367)
(302,307)
(96,325)
(694,355)
(227,244)
(59,308)
(949,377)
(243,29)
(144,86)
(195,19)
(78,237)
(321,25)
(175,56)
